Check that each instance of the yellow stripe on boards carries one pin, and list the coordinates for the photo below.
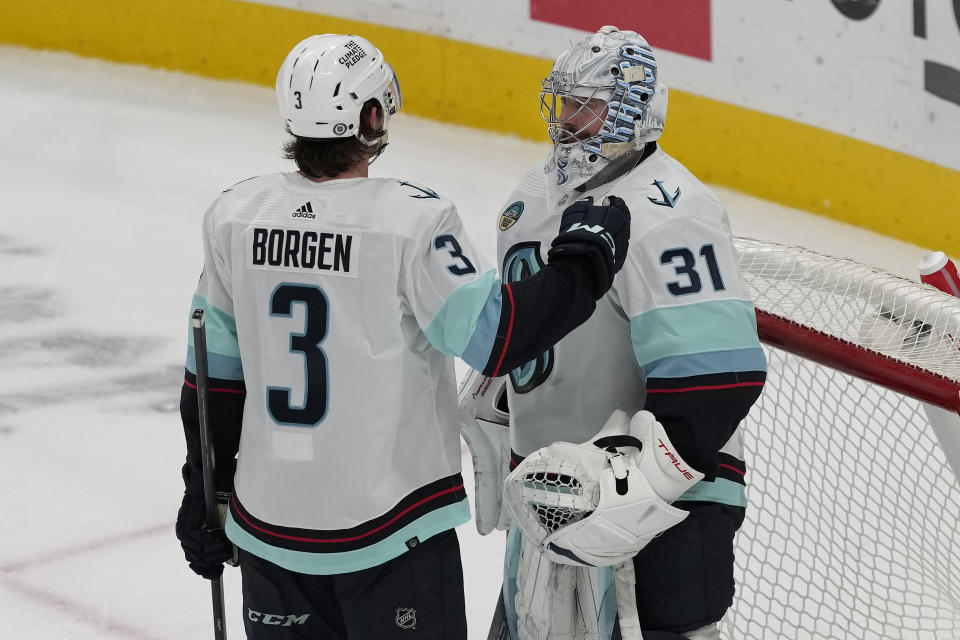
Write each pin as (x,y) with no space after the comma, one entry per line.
(440,78)
(767,156)
(816,170)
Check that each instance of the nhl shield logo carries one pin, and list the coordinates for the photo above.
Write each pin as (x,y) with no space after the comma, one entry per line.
(511,215)
(406,618)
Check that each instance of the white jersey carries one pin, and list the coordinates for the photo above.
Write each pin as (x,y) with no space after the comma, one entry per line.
(678,314)
(339,304)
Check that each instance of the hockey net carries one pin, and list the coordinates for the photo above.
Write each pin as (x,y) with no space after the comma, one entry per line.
(853,524)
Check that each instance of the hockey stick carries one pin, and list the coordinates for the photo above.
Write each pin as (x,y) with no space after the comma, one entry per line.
(206,455)
(498,626)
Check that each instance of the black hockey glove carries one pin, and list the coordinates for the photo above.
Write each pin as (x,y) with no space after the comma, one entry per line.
(597,234)
(205,550)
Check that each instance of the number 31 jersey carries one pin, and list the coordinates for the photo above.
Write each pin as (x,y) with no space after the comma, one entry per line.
(336,307)
(675,335)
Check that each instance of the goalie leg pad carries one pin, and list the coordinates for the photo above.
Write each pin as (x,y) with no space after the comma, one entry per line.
(562,602)
(628,617)
(511,566)
(545,599)
(709,632)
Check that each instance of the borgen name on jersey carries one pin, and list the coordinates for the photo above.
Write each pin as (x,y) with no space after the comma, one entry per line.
(293,249)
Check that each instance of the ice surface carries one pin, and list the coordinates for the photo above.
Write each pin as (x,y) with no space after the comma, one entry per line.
(105,171)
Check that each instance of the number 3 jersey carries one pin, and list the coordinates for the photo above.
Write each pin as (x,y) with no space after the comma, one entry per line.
(675,335)
(332,311)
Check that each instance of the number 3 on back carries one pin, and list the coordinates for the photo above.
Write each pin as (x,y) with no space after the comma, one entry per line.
(314,407)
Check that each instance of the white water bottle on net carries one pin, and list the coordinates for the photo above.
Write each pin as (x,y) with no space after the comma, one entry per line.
(853,454)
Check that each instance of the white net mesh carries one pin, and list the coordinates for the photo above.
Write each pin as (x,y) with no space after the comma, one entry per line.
(909,322)
(552,491)
(853,524)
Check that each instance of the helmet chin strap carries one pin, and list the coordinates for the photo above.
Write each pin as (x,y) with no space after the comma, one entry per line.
(380,145)
(380,140)
(618,167)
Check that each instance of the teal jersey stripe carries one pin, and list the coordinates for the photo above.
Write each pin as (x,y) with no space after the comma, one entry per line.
(720,490)
(429,525)
(221,329)
(698,364)
(466,324)
(703,327)
(223,367)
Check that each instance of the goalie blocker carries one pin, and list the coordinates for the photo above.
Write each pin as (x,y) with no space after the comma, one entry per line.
(485,427)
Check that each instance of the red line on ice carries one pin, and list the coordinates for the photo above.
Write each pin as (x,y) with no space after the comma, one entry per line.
(104,624)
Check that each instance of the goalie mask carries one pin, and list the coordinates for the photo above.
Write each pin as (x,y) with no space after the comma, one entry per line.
(325,81)
(600,502)
(610,79)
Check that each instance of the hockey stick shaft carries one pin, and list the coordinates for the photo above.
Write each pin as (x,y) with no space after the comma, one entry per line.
(207,460)
(498,626)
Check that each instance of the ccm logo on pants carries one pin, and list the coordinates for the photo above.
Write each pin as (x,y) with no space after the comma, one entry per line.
(277,620)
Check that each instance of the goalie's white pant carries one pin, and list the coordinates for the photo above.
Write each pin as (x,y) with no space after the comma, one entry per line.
(548,601)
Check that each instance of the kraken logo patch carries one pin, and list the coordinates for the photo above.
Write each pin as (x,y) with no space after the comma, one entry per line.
(509,217)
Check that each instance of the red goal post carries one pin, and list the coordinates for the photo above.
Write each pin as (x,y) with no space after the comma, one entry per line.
(853,523)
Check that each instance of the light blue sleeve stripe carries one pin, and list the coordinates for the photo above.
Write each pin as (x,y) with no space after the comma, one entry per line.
(325,564)
(698,364)
(468,319)
(720,490)
(715,325)
(478,349)
(221,328)
(223,367)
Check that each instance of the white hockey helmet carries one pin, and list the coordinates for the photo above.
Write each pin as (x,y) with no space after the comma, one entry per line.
(617,68)
(325,81)
(600,502)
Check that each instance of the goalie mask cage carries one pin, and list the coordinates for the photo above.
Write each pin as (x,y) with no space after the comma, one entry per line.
(853,523)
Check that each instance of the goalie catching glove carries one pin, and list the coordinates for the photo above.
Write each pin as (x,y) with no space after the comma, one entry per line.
(600,502)
(485,426)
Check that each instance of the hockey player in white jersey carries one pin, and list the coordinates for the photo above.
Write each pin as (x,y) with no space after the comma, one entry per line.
(675,336)
(334,305)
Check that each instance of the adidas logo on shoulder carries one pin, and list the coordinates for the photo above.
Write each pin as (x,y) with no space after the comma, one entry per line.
(304,211)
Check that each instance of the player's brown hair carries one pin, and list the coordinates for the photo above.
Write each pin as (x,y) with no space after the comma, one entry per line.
(329,157)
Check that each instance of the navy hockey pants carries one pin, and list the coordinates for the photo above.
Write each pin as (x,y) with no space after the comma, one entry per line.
(415,596)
